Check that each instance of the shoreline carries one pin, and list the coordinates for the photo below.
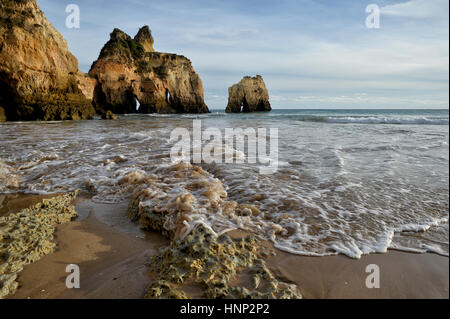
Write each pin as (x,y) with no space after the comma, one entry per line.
(112,254)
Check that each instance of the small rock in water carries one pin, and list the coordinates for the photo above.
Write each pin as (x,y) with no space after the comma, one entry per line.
(108,115)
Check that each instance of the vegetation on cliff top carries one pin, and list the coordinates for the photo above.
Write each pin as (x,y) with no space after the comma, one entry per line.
(122,44)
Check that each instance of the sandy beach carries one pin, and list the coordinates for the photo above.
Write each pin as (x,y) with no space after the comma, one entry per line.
(238,150)
(112,254)
(403,275)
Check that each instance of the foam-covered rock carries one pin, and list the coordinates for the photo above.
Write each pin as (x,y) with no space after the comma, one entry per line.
(145,39)
(9,180)
(178,197)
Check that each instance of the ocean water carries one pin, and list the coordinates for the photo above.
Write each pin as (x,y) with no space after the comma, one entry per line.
(349,182)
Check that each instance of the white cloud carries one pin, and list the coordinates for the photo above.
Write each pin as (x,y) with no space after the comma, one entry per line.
(419,9)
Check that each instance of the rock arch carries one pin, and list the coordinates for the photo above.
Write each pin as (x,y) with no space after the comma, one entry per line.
(162,82)
(249,95)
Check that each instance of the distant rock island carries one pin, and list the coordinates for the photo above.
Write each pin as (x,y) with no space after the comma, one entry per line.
(38,74)
(129,70)
(249,95)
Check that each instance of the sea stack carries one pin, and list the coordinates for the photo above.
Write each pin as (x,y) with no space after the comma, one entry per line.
(130,71)
(249,95)
(38,74)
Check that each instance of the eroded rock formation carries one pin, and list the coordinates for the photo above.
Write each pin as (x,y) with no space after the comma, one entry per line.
(249,95)
(86,84)
(145,39)
(38,74)
(217,266)
(179,201)
(129,70)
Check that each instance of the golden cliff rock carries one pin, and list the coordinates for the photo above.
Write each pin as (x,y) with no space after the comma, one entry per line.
(130,71)
(249,95)
(38,74)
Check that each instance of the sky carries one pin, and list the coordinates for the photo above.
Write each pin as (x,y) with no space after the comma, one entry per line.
(312,54)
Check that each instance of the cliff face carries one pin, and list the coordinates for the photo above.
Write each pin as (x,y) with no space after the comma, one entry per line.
(129,70)
(38,74)
(249,95)
(86,84)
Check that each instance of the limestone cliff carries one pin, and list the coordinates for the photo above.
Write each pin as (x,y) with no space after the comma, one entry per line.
(38,74)
(129,70)
(249,95)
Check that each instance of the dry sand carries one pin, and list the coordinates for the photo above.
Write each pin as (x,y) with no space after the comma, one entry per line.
(112,253)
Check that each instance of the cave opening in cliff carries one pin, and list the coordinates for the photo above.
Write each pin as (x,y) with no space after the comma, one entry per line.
(168,96)
(244,105)
(138,105)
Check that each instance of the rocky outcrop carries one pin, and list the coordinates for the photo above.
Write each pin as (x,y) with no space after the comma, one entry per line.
(108,115)
(9,180)
(28,235)
(38,74)
(249,95)
(216,266)
(145,39)
(129,70)
(177,201)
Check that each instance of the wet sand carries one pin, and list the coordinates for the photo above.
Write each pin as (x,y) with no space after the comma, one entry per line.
(402,275)
(112,253)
